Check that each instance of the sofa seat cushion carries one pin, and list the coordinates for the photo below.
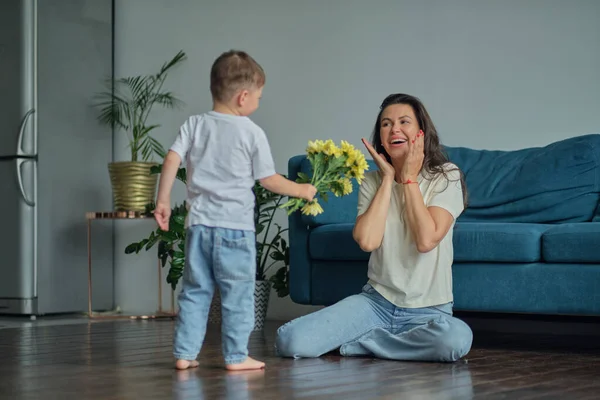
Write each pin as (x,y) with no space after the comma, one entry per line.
(498,242)
(335,242)
(548,288)
(572,243)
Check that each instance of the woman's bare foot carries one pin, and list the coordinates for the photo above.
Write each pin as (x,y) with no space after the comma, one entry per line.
(185,364)
(248,363)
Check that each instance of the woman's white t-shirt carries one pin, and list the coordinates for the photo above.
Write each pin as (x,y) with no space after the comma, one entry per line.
(400,273)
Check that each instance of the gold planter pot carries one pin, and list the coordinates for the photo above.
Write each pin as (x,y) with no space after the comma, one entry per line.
(132,185)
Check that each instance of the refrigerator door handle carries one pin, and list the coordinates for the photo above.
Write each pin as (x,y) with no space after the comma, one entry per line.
(20,162)
(22,132)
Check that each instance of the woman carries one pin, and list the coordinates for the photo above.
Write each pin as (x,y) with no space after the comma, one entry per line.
(406,212)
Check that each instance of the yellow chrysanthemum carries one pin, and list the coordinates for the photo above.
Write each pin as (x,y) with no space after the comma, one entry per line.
(347,186)
(347,147)
(359,175)
(344,188)
(358,167)
(361,164)
(349,151)
(315,147)
(351,159)
(330,149)
(313,208)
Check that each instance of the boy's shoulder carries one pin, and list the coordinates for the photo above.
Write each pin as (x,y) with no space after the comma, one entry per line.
(241,122)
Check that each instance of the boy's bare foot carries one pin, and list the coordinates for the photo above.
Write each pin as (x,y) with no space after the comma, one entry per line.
(248,363)
(185,364)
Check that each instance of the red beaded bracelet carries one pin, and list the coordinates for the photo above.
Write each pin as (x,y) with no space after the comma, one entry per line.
(408,181)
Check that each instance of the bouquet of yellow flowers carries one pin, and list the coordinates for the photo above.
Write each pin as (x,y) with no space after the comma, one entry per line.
(333,168)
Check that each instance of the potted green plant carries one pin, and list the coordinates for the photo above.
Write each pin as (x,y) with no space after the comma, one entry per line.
(271,249)
(126,105)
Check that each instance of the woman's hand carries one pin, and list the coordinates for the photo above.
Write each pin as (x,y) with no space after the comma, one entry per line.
(414,161)
(385,168)
(370,225)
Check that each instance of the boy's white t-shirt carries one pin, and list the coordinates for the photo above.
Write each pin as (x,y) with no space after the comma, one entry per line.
(401,274)
(224,155)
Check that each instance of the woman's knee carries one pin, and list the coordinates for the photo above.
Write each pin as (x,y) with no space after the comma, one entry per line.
(325,330)
(290,342)
(454,341)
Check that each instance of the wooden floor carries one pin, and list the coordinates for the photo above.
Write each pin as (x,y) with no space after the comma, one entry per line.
(132,360)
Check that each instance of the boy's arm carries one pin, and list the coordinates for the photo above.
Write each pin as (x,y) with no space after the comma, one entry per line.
(263,170)
(167,178)
(280,185)
(162,211)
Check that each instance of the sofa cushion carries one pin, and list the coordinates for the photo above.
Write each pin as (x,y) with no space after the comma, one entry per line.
(498,242)
(334,280)
(556,183)
(473,242)
(572,243)
(335,242)
(527,288)
(559,182)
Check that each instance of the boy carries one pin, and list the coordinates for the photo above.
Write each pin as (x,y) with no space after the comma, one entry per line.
(225,153)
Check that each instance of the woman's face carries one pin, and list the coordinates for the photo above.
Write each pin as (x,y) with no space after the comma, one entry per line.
(398,126)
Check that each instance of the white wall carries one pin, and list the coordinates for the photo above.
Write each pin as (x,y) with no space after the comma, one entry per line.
(494,74)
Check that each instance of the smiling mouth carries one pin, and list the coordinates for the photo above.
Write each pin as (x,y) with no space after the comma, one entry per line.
(398,142)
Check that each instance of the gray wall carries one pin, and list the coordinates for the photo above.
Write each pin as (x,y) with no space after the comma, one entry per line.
(493,74)
(74,59)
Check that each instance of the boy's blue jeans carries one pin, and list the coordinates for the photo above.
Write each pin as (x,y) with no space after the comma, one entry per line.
(367,324)
(227,258)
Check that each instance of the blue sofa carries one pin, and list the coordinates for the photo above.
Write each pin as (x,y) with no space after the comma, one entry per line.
(528,242)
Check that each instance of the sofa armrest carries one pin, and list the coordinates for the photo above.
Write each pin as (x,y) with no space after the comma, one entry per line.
(300,265)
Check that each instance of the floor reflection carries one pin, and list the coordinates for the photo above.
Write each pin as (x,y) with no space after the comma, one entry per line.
(330,376)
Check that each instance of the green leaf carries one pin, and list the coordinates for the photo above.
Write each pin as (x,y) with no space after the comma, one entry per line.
(152,241)
(178,262)
(132,248)
(280,281)
(179,254)
(147,144)
(286,258)
(168,236)
(179,57)
(179,220)
(168,100)
(182,175)
(277,256)
(137,85)
(303,178)
(114,111)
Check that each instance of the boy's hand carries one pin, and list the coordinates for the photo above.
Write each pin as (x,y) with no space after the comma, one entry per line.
(307,191)
(162,213)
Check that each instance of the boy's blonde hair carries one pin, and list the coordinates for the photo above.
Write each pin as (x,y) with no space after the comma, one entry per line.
(232,71)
